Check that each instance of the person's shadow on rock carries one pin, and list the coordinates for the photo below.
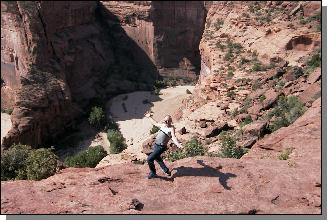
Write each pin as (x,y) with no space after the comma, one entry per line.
(205,171)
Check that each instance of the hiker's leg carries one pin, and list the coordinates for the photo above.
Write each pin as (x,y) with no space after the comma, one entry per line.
(162,164)
(150,159)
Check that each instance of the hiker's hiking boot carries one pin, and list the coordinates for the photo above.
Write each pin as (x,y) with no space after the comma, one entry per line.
(151,176)
(168,173)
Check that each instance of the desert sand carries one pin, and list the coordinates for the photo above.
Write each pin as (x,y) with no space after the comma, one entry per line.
(5,124)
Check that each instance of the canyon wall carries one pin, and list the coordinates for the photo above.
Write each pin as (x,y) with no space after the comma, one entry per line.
(169,32)
(59,56)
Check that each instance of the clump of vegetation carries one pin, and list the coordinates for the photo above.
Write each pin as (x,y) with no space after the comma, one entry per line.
(154,129)
(229,148)
(87,158)
(218,24)
(97,117)
(117,141)
(316,17)
(256,85)
(231,94)
(245,105)
(314,61)
(262,98)
(284,155)
(7,111)
(40,164)
(23,162)
(191,148)
(287,110)
(220,45)
(230,74)
(246,121)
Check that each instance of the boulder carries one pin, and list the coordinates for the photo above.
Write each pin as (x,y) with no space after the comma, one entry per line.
(271,97)
(247,142)
(203,124)
(311,93)
(213,131)
(256,128)
(312,78)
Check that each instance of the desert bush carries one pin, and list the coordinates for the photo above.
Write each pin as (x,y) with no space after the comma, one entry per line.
(194,148)
(23,162)
(220,45)
(97,117)
(256,85)
(230,94)
(7,111)
(246,121)
(229,55)
(230,74)
(229,149)
(154,129)
(284,155)
(245,105)
(314,61)
(87,158)
(13,162)
(286,111)
(218,24)
(117,141)
(191,148)
(40,164)
(262,98)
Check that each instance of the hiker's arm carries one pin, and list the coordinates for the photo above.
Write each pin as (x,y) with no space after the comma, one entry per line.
(174,139)
(148,115)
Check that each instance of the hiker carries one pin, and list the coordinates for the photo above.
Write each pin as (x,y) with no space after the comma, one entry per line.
(165,133)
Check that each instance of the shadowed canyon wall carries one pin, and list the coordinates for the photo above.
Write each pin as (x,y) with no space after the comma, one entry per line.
(169,32)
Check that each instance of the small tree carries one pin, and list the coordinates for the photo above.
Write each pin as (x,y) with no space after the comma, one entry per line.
(117,141)
(41,164)
(87,158)
(97,117)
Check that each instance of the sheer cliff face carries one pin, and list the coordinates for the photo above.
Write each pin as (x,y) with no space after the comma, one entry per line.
(58,56)
(169,32)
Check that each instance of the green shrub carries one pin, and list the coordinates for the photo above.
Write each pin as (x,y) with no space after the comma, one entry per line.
(23,162)
(97,117)
(230,94)
(41,164)
(191,148)
(218,24)
(111,124)
(13,162)
(287,110)
(257,66)
(194,148)
(246,121)
(228,56)
(245,105)
(154,129)
(176,155)
(220,45)
(229,149)
(284,155)
(117,141)
(256,85)
(314,61)
(262,98)
(87,158)
(230,74)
